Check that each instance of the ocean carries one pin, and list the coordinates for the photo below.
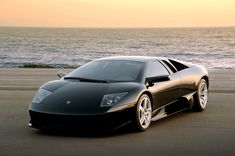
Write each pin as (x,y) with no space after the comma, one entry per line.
(213,48)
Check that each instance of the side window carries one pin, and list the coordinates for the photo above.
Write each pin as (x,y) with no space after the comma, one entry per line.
(179,66)
(156,69)
(170,66)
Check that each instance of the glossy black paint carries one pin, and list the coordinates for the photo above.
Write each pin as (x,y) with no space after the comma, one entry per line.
(85,97)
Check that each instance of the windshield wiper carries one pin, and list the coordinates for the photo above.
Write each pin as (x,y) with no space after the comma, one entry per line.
(86,80)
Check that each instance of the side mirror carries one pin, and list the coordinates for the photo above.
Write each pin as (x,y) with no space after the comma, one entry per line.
(151,80)
(61,74)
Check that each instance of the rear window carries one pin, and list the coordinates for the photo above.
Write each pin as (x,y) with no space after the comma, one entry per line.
(179,66)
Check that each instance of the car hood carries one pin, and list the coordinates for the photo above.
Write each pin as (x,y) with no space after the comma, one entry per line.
(75,97)
(72,97)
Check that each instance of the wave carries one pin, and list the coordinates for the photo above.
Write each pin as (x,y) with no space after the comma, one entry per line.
(42,47)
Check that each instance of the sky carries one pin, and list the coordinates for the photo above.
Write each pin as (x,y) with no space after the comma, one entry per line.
(117,13)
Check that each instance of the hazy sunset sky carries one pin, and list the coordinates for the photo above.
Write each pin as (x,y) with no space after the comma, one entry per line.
(117,13)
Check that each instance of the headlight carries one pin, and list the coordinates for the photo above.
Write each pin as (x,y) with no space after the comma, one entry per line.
(41,94)
(111,99)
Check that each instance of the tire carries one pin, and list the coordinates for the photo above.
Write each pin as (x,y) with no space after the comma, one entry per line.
(143,113)
(201,97)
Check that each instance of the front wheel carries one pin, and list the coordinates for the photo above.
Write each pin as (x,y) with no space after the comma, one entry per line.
(201,97)
(143,113)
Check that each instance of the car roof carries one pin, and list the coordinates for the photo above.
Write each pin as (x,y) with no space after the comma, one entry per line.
(134,58)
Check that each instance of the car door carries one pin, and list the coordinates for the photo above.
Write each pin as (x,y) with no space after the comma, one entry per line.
(166,91)
(187,77)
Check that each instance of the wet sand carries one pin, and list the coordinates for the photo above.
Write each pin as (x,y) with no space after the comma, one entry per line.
(211,132)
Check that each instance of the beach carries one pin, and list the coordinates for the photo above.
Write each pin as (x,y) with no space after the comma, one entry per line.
(211,132)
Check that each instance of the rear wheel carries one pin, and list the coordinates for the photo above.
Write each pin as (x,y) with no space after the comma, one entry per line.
(201,97)
(143,113)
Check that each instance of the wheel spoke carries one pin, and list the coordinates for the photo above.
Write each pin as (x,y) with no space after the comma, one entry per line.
(141,109)
(202,99)
(204,92)
(145,121)
(142,120)
(145,103)
(203,87)
(149,110)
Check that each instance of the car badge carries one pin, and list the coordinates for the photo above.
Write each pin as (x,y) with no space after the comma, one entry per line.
(68,102)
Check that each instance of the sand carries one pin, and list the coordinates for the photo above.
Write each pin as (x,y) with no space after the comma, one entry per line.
(211,132)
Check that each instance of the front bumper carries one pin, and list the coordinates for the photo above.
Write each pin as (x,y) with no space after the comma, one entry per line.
(107,121)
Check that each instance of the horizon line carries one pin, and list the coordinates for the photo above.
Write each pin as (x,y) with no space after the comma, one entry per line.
(128,27)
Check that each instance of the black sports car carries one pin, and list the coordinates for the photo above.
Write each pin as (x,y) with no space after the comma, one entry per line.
(115,91)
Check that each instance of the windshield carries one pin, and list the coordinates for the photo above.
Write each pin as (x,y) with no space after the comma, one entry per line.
(110,70)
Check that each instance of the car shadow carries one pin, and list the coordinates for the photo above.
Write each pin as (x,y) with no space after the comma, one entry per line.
(86,133)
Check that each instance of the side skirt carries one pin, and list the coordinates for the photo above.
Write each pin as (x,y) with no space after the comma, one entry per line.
(170,109)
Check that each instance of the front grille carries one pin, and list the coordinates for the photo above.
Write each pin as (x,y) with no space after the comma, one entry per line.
(109,120)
